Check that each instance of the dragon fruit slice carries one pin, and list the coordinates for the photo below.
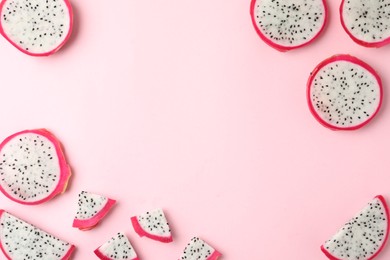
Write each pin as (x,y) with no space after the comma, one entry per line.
(344,93)
(366,22)
(32,167)
(363,237)
(288,24)
(91,209)
(154,225)
(36,27)
(197,249)
(118,247)
(21,240)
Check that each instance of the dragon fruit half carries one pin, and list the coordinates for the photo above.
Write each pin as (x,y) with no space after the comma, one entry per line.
(288,24)
(197,249)
(344,93)
(154,225)
(36,27)
(367,22)
(118,247)
(362,237)
(33,168)
(21,240)
(92,208)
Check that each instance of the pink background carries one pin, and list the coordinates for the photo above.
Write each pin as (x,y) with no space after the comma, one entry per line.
(178,104)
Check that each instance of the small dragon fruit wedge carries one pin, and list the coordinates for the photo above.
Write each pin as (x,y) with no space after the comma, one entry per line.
(118,247)
(21,240)
(367,22)
(288,24)
(33,168)
(36,27)
(344,93)
(197,249)
(92,208)
(362,237)
(154,225)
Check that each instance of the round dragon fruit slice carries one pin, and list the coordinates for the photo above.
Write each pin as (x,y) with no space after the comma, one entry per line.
(288,24)
(154,225)
(21,240)
(344,93)
(197,249)
(363,237)
(92,208)
(36,27)
(118,247)
(366,22)
(33,168)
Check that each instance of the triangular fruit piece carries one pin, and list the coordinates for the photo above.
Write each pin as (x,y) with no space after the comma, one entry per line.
(92,208)
(21,240)
(362,237)
(118,247)
(197,249)
(154,225)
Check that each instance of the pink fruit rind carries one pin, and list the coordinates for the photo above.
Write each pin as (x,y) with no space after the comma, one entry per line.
(349,58)
(103,257)
(358,41)
(383,201)
(90,223)
(69,6)
(66,256)
(64,167)
(141,232)
(215,255)
(281,47)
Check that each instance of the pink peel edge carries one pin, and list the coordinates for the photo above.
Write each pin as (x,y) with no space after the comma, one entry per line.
(142,233)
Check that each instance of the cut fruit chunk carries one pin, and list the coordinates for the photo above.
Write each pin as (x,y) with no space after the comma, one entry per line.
(92,208)
(197,249)
(362,237)
(21,240)
(118,247)
(33,168)
(154,225)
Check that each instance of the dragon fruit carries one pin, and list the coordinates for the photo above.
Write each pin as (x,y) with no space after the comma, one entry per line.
(344,93)
(362,237)
(288,24)
(33,168)
(197,249)
(91,209)
(366,22)
(118,247)
(21,240)
(154,225)
(36,27)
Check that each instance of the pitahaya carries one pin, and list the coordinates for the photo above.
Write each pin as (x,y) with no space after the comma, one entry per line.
(344,93)
(91,209)
(21,240)
(367,22)
(36,27)
(197,249)
(33,168)
(288,24)
(118,247)
(362,237)
(154,225)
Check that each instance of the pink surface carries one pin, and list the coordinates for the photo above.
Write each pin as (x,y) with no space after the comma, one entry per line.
(180,105)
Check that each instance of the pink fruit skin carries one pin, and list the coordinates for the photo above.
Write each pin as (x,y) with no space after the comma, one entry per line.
(66,256)
(88,224)
(141,232)
(103,257)
(360,42)
(342,57)
(64,167)
(380,197)
(281,47)
(69,6)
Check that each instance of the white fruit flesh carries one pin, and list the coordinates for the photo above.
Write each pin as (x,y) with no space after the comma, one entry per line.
(197,249)
(155,223)
(89,205)
(118,247)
